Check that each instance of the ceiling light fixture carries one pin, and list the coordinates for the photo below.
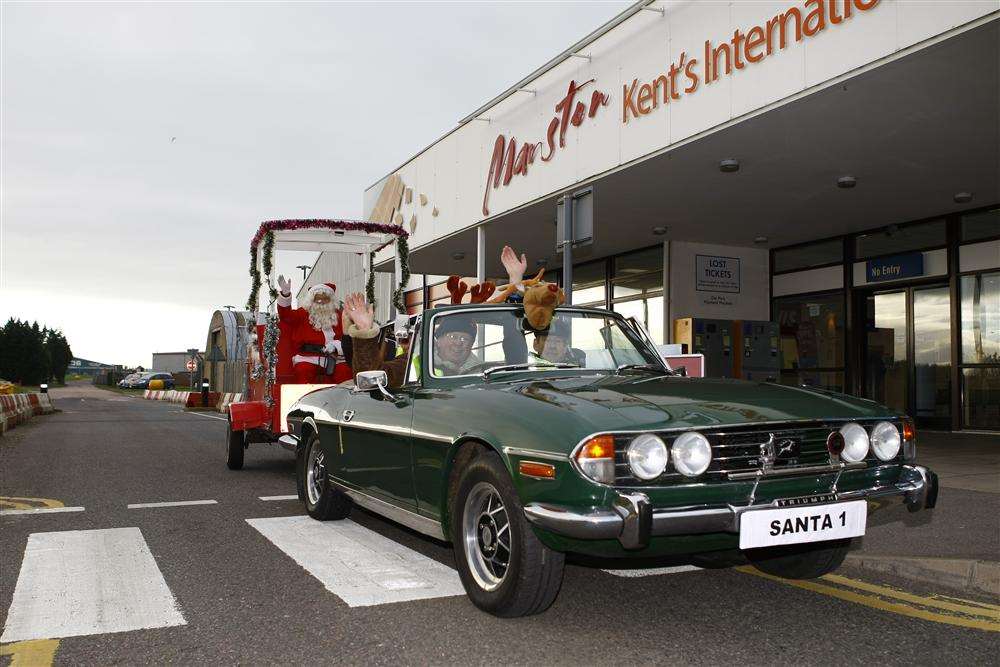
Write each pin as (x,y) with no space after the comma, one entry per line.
(760,239)
(458,255)
(729,165)
(963,197)
(846,182)
(659,231)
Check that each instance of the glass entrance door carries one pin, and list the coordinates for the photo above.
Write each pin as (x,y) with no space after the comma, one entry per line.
(886,350)
(932,356)
(907,352)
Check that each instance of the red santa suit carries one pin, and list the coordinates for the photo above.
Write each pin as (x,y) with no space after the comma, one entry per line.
(308,365)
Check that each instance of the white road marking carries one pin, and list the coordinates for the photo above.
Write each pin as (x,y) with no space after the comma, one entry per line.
(653,571)
(176,503)
(40,510)
(201,414)
(358,565)
(294,497)
(88,582)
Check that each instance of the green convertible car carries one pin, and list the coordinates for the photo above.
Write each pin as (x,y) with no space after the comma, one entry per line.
(520,447)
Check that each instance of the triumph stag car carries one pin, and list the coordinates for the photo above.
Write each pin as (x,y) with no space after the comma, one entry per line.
(520,446)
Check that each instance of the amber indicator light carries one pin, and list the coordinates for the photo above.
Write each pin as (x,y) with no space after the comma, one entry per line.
(909,430)
(535,469)
(599,447)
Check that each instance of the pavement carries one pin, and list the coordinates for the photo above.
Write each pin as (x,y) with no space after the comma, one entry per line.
(246,580)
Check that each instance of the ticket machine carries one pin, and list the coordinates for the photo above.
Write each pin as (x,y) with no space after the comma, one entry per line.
(757,356)
(711,338)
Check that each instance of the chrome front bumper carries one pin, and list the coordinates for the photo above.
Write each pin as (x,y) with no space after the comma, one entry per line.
(632,519)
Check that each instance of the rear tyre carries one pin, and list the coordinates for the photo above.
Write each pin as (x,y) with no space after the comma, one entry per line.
(235,447)
(504,568)
(800,561)
(323,502)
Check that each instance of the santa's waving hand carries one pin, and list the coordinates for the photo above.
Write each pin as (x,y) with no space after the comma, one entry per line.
(316,331)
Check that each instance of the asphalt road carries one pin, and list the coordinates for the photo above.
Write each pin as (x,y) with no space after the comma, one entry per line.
(245,600)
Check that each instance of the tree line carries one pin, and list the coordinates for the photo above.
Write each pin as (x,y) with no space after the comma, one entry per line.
(31,355)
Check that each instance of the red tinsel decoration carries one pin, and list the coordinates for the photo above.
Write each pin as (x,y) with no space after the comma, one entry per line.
(344,225)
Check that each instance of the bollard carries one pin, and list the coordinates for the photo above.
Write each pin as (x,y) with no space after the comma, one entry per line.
(43,388)
(204,393)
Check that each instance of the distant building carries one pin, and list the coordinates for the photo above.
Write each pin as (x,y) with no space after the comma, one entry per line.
(172,362)
(87,367)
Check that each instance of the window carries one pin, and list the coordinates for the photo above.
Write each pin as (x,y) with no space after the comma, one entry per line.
(589,284)
(894,240)
(980,358)
(811,347)
(982,225)
(637,289)
(807,256)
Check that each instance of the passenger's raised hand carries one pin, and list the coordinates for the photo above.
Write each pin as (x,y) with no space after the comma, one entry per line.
(515,267)
(360,312)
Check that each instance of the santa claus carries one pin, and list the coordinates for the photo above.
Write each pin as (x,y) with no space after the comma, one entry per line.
(316,330)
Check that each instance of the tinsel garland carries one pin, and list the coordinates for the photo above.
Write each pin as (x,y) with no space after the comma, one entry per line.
(370,284)
(271,333)
(403,250)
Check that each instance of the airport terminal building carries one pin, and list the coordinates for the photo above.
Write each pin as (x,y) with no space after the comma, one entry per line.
(815,182)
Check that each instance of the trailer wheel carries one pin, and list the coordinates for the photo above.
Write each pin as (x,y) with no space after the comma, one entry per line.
(235,446)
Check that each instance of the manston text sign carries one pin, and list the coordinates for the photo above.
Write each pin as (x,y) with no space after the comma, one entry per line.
(910,265)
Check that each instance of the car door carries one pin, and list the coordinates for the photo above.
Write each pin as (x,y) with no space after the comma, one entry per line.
(375,455)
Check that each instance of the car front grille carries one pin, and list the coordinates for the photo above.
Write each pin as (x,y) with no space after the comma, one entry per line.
(736,453)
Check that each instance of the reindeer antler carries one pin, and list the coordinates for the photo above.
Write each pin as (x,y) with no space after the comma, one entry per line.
(483,291)
(537,279)
(457,288)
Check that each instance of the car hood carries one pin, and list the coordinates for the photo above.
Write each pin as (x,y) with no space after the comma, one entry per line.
(654,402)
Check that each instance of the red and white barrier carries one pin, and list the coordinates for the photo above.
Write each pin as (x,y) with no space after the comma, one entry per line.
(228,399)
(19,408)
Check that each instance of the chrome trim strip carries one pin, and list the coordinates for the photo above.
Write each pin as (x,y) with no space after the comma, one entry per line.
(517,451)
(792,471)
(368,426)
(417,522)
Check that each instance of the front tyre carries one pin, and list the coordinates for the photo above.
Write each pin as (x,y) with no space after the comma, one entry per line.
(800,561)
(235,447)
(504,568)
(323,501)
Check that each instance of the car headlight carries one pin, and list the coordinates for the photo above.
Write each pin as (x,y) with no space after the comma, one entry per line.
(886,441)
(647,456)
(691,453)
(855,442)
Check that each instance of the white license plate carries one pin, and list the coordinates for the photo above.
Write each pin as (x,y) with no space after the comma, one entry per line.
(794,525)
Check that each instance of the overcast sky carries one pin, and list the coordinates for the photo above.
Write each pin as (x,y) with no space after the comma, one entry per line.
(126,239)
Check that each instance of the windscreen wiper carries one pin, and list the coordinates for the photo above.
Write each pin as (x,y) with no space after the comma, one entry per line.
(524,367)
(648,367)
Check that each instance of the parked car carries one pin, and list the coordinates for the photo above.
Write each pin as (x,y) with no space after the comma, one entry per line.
(520,454)
(127,381)
(143,381)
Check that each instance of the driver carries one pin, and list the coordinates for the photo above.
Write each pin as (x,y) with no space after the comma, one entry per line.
(454,337)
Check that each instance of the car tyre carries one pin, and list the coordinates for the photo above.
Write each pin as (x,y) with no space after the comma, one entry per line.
(235,447)
(485,509)
(323,501)
(800,561)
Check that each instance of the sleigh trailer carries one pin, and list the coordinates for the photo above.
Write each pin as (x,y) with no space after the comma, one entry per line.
(271,386)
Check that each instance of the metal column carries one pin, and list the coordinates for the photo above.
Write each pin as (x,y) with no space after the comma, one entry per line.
(567,248)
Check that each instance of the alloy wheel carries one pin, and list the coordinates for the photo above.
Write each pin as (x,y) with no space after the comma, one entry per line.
(486,534)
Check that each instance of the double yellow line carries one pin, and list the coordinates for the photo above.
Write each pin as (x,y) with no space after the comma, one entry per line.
(935,608)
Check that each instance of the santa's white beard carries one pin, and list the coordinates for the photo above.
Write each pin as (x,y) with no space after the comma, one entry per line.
(322,315)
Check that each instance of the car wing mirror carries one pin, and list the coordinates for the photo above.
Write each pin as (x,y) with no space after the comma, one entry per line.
(368,382)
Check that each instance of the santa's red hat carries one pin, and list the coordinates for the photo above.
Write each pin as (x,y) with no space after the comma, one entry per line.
(323,287)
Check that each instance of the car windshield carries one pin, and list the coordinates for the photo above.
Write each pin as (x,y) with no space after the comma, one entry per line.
(485,340)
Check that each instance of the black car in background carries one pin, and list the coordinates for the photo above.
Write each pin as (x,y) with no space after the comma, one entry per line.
(143,381)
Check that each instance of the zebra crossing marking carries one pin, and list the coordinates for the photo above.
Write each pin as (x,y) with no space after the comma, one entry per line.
(88,582)
(358,565)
